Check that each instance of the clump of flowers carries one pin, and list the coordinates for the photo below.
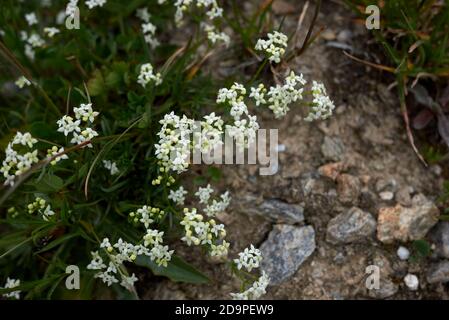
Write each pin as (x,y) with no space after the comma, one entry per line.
(213,10)
(178,196)
(250,259)
(12,283)
(322,105)
(111,166)
(274,47)
(22,82)
(214,207)
(147,75)
(245,126)
(279,97)
(17,163)
(148,29)
(215,36)
(79,128)
(40,205)
(56,155)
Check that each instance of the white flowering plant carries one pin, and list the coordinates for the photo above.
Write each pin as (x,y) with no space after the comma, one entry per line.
(95,127)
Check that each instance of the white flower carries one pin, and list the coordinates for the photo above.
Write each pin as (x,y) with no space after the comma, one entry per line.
(47,213)
(128,282)
(323,106)
(31,18)
(204,194)
(85,112)
(214,36)
(255,291)
(22,82)
(96,263)
(173,148)
(95,3)
(153,237)
(274,47)
(161,255)
(178,196)
(249,259)
(147,75)
(111,166)
(259,94)
(67,125)
(280,97)
(143,14)
(106,244)
(16,163)
(55,151)
(71,8)
(50,32)
(220,250)
(12,283)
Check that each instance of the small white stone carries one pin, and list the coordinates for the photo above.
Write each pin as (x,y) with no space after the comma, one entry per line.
(411,281)
(403,253)
(386,195)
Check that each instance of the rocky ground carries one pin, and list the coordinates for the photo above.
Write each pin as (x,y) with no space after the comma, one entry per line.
(348,194)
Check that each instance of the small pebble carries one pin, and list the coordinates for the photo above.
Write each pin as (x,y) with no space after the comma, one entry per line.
(403,253)
(411,281)
(386,195)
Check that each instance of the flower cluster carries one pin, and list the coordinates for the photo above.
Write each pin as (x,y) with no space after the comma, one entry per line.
(214,207)
(279,98)
(178,196)
(213,10)
(242,130)
(148,29)
(173,149)
(32,41)
(257,289)
(322,106)
(116,254)
(215,36)
(146,215)
(200,232)
(22,82)
(147,75)
(56,155)
(111,166)
(274,47)
(94,3)
(210,135)
(40,205)
(84,116)
(250,259)
(51,31)
(12,283)
(16,163)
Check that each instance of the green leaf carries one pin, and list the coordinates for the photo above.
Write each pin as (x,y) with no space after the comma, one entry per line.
(177,270)
(49,183)
(96,84)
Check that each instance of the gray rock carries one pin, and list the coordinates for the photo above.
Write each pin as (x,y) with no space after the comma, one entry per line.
(333,148)
(404,224)
(354,225)
(285,250)
(273,209)
(440,237)
(438,272)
